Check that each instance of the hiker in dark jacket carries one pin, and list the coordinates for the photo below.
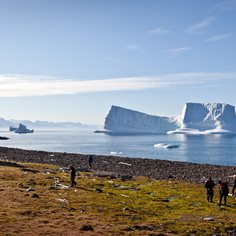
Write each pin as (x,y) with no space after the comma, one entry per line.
(224,191)
(90,161)
(234,186)
(72,175)
(209,185)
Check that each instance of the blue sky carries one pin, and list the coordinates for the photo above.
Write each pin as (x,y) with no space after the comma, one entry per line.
(71,60)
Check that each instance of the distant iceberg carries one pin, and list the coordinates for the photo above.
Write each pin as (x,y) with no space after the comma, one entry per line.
(166,145)
(22,129)
(116,153)
(12,128)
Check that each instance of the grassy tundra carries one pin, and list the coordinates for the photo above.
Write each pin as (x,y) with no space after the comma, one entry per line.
(32,204)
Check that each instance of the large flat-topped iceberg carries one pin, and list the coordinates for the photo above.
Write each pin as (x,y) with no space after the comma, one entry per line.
(206,118)
(121,120)
(197,118)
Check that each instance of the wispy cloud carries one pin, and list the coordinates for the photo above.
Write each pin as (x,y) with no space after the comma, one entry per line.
(199,27)
(29,85)
(219,37)
(227,5)
(133,47)
(176,51)
(159,30)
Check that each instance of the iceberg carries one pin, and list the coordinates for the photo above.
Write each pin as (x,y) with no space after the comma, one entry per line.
(12,128)
(207,118)
(125,121)
(166,145)
(22,129)
(197,118)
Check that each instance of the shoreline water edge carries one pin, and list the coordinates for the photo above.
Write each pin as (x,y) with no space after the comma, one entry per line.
(158,169)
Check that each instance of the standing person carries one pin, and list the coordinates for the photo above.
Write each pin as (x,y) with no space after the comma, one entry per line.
(90,161)
(72,175)
(209,185)
(224,191)
(234,186)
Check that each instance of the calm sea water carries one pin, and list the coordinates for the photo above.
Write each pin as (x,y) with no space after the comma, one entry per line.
(212,149)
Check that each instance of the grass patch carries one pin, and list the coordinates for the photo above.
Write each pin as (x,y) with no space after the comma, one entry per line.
(103,206)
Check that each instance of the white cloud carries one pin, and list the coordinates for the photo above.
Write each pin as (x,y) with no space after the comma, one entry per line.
(159,30)
(176,51)
(133,47)
(29,85)
(219,37)
(197,28)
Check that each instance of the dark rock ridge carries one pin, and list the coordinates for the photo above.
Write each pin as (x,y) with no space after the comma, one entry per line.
(159,169)
(3,138)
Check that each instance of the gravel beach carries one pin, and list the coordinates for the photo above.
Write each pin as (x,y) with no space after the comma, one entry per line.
(158,169)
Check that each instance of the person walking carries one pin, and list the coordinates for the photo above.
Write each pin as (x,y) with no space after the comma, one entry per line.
(209,185)
(234,186)
(90,161)
(72,175)
(224,191)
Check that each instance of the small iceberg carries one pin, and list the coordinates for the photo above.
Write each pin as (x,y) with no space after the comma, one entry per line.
(12,128)
(166,145)
(116,153)
(22,129)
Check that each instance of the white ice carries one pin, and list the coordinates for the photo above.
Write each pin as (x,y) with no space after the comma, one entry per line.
(166,145)
(197,118)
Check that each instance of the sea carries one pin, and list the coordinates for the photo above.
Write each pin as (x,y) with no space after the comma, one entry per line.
(211,149)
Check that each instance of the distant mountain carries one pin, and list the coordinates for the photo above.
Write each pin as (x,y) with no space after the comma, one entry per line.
(45,124)
(5,123)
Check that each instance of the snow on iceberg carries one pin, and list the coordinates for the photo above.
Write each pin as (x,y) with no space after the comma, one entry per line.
(121,120)
(207,118)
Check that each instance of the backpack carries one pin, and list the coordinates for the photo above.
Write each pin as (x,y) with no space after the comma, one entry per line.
(224,188)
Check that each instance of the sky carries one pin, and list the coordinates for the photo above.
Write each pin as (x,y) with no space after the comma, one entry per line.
(72,60)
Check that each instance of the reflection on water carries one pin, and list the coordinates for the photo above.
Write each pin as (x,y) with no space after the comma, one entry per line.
(212,149)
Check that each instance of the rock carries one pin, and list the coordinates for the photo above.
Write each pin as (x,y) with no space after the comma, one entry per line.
(125,209)
(86,228)
(3,138)
(35,195)
(30,190)
(62,200)
(20,185)
(209,219)
(126,177)
(98,190)
(166,200)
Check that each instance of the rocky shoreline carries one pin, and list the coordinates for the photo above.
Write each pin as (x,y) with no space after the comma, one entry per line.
(158,169)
